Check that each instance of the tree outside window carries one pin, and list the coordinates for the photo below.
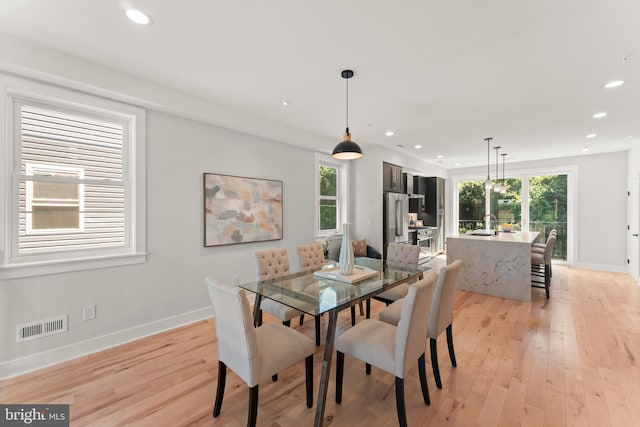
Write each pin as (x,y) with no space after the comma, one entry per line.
(328,195)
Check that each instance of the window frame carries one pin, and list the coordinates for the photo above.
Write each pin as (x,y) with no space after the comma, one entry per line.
(13,91)
(342,171)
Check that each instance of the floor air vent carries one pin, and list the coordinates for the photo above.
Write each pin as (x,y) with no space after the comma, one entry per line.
(42,328)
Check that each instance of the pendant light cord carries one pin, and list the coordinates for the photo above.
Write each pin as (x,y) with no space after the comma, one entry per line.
(497,164)
(503,156)
(347,106)
(488,151)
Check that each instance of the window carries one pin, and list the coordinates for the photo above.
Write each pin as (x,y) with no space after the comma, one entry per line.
(53,206)
(537,200)
(74,193)
(330,195)
(329,201)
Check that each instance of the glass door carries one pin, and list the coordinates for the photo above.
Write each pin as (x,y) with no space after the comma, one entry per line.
(471,205)
(507,208)
(548,209)
(533,202)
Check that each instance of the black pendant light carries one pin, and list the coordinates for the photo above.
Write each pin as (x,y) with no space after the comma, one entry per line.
(347,149)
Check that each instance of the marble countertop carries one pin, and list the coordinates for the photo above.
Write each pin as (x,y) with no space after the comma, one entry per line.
(527,237)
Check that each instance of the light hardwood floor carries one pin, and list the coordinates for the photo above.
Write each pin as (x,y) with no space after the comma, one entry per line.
(571,360)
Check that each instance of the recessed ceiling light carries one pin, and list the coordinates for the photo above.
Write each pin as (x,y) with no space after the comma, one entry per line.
(591,135)
(630,137)
(285,103)
(585,149)
(457,164)
(599,115)
(440,156)
(417,146)
(138,16)
(614,83)
(389,133)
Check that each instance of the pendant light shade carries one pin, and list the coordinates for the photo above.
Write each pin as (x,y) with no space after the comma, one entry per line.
(488,184)
(496,185)
(347,149)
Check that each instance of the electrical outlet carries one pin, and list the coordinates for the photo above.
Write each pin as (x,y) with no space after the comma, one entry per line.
(236,280)
(89,312)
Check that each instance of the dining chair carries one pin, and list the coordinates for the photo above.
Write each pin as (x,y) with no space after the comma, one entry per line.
(400,255)
(254,354)
(541,266)
(394,349)
(311,258)
(440,315)
(272,264)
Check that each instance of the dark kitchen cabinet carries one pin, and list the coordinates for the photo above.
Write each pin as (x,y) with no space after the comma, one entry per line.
(418,204)
(391,178)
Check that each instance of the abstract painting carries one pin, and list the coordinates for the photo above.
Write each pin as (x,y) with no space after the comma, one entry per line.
(241,210)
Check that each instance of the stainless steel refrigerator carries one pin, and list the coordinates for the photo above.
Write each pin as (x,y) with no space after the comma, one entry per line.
(396,219)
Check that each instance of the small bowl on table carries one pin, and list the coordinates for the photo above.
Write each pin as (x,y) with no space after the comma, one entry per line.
(507,227)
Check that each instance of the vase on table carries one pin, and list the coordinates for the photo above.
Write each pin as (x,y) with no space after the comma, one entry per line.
(347,259)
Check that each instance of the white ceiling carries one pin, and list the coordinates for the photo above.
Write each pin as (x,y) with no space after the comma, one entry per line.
(443,74)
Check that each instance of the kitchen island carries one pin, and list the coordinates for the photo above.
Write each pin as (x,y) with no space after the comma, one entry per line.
(498,264)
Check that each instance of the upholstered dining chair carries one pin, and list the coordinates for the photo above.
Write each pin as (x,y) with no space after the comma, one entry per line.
(400,255)
(541,266)
(440,315)
(394,349)
(254,354)
(311,258)
(272,264)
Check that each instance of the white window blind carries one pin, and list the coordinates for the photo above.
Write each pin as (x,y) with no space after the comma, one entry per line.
(72,181)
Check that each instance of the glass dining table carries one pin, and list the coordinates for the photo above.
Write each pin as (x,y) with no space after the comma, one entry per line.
(315,295)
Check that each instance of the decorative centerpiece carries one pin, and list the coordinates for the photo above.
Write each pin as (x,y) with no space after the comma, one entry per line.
(347,259)
(508,227)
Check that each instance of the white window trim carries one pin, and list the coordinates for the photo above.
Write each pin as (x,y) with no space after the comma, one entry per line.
(572,200)
(24,266)
(342,190)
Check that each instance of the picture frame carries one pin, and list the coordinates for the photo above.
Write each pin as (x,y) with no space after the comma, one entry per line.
(241,209)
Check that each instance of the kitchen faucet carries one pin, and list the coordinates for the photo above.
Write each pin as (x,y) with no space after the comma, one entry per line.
(491,216)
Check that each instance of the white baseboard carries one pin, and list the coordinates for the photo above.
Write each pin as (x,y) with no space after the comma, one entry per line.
(603,267)
(47,358)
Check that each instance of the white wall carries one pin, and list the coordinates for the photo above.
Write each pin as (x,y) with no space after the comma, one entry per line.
(171,282)
(601,206)
(634,162)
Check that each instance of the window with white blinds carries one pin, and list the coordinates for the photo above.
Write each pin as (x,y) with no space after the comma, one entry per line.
(73,186)
(72,193)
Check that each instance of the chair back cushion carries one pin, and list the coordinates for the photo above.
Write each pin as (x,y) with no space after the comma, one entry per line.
(403,255)
(272,263)
(441,314)
(311,257)
(411,331)
(548,250)
(237,342)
